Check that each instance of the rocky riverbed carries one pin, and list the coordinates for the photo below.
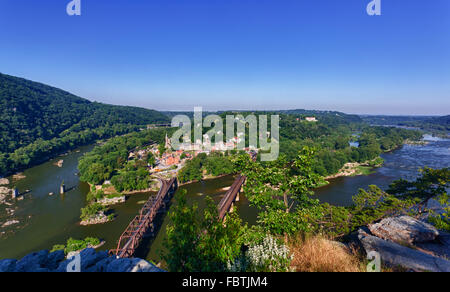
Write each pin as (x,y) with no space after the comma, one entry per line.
(112,201)
(90,261)
(99,218)
(4,193)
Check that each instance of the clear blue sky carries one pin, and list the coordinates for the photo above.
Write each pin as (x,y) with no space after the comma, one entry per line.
(236,54)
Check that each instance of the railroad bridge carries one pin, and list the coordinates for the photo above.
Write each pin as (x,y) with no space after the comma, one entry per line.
(231,196)
(141,224)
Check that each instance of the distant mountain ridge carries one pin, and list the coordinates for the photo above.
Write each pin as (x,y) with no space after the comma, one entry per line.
(326,116)
(439,126)
(444,120)
(33,112)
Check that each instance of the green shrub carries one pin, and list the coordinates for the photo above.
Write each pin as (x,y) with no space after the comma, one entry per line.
(91,210)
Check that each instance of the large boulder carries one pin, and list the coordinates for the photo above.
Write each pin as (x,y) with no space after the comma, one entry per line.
(88,259)
(34,262)
(7,265)
(440,247)
(395,255)
(131,265)
(54,259)
(404,230)
(102,265)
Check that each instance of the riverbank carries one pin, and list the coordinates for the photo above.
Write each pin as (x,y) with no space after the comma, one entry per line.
(204,178)
(99,218)
(110,190)
(356,168)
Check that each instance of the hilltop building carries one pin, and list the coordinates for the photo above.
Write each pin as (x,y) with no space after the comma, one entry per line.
(311,119)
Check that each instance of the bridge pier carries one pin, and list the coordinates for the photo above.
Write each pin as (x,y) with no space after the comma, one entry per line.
(15,193)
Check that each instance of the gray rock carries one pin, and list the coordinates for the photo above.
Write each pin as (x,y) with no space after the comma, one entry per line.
(9,223)
(435,205)
(131,265)
(440,247)
(90,261)
(142,266)
(62,268)
(102,265)
(54,259)
(394,255)
(7,265)
(404,230)
(89,257)
(32,262)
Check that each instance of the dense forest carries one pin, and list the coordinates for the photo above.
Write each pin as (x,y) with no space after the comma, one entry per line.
(215,164)
(110,160)
(38,121)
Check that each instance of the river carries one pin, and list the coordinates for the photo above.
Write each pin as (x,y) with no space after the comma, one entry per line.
(401,163)
(47,220)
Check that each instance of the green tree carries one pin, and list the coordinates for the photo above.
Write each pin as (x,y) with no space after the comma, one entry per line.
(278,188)
(151,159)
(162,149)
(200,242)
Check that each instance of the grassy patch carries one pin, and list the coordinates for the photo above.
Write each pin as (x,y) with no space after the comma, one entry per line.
(363,170)
(318,254)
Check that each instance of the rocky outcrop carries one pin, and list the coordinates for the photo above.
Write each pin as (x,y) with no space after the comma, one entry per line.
(59,163)
(439,247)
(4,192)
(18,176)
(396,255)
(99,218)
(404,230)
(9,223)
(408,243)
(112,201)
(90,261)
(4,181)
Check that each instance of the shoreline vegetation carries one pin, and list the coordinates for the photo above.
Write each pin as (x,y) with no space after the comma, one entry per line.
(356,168)
(75,245)
(113,171)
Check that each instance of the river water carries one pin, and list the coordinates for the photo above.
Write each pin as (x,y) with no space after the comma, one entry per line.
(402,163)
(47,220)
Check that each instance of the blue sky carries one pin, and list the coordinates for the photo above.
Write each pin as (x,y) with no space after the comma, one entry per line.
(236,54)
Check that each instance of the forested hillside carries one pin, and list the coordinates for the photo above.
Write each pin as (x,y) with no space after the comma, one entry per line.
(38,121)
(439,126)
(327,117)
